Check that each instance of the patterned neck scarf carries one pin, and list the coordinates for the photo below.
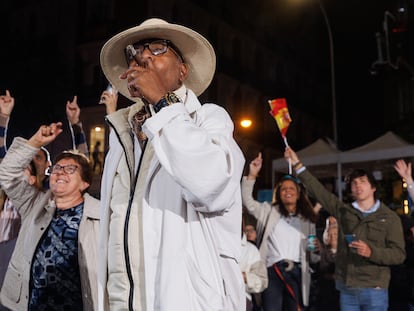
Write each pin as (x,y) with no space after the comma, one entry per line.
(137,121)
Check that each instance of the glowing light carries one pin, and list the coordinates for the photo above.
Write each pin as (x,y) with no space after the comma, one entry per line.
(98,129)
(246,123)
(406,207)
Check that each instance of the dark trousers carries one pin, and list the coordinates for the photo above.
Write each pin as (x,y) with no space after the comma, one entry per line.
(276,296)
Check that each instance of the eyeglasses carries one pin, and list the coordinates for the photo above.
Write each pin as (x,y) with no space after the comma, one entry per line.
(67,169)
(155,46)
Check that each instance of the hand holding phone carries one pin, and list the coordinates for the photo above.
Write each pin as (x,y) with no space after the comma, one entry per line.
(109,98)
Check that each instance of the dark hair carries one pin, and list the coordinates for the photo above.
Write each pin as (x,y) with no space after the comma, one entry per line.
(361,173)
(82,160)
(32,169)
(303,205)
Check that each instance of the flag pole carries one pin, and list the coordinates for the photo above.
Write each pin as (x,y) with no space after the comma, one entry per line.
(290,160)
(279,111)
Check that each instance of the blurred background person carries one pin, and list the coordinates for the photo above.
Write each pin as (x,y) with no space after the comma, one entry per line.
(404,169)
(251,234)
(283,228)
(96,157)
(402,276)
(253,270)
(326,295)
(78,135)
(401,290)
(42,162)
(9,217)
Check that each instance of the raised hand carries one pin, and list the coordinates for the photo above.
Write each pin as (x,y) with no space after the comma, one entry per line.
(290,154)
(404,170)
(110,100)
(6,103)
(73,110)
(45,134)
(255,166)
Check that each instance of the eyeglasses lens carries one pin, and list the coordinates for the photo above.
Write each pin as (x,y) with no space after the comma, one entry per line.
(157,47)
(68,169)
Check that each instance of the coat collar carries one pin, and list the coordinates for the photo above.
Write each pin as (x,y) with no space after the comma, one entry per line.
(91,207)
(122,118)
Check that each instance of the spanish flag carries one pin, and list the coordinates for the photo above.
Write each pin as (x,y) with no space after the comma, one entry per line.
(279,111)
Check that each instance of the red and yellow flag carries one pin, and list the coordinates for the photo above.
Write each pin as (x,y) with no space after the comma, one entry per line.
(279,111)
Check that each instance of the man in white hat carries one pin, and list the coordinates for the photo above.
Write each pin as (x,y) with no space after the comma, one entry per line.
(171,203)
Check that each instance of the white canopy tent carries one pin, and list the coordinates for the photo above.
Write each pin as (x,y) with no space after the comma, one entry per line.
(387,146)
(320,152)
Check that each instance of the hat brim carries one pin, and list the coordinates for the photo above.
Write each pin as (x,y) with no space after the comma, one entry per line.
(197,53)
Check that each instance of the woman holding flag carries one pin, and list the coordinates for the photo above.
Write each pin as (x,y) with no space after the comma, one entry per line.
(283,228)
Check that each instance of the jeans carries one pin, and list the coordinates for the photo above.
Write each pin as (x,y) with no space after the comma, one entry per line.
(276,296)
(362,299)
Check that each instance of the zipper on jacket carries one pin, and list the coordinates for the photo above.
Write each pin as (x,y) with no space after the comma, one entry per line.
(126,226)
(126,223)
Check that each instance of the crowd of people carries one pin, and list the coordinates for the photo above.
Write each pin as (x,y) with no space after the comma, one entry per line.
(168,232)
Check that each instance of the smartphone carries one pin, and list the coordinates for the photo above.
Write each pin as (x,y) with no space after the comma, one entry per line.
(109,88)
(349,238)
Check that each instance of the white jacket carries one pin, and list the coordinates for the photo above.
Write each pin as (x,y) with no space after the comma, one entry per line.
(170,236)
(267,217)
(254,268)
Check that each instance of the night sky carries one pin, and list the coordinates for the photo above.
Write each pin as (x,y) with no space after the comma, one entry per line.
(296,31)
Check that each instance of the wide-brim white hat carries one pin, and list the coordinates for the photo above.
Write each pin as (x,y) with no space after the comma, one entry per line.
(196,51)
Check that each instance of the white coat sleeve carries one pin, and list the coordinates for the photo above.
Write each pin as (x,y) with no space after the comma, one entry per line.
(199,152)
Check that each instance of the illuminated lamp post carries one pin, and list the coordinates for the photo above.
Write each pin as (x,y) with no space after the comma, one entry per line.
(333,86)
(333,94)
(333,97)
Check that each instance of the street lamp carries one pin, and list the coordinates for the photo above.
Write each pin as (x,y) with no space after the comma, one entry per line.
(333,86)
(333,95)
(333,98)
(332,65)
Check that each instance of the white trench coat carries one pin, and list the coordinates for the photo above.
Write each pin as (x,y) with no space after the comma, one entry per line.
(171,233)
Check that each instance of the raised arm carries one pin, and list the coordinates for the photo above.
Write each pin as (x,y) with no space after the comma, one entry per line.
(255,208)
(255,166)
(12,168)
(78,135)
(314,188)
(404,169)
(6,108)
(109,98)
(45,135)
